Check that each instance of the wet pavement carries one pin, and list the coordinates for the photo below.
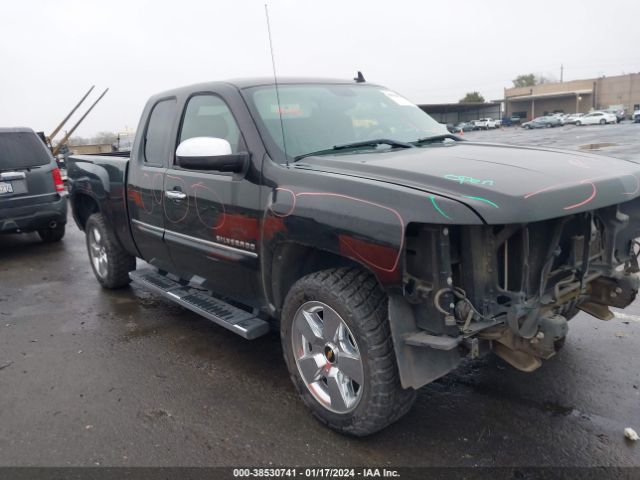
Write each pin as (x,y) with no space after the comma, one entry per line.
(620,140)
(94,377)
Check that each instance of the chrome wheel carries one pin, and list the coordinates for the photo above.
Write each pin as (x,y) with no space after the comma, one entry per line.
(327,357)
(98,252)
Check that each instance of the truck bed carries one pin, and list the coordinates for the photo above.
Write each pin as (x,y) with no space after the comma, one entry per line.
(102,178)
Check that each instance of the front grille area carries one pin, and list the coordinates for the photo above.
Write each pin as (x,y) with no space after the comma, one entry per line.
(549,267)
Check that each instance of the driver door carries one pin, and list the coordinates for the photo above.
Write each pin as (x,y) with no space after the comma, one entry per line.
(213,217)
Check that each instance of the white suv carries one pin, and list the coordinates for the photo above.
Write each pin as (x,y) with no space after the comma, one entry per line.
(486,123)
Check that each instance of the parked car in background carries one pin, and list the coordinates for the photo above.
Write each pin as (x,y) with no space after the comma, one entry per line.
(617,111)
(463,127)
(485,123)
(510,121)
(573,118)
(595,118)
(560,117)
(636,116)
(32,193)
(62,165)
(542,122)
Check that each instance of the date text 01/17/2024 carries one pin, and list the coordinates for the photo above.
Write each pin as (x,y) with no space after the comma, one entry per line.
(315,473)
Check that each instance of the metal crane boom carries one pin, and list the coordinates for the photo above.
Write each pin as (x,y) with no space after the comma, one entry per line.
(64,140)
(59,127)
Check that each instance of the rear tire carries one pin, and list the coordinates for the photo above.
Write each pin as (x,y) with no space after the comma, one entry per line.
(351,299)
(52,235)
(110,263)
(578,123)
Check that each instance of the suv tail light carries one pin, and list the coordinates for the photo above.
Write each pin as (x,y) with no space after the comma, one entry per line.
(57,180)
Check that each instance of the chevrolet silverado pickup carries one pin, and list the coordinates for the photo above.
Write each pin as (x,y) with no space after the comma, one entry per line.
(384,249)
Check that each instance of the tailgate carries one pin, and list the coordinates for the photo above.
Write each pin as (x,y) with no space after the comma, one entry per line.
(35,181)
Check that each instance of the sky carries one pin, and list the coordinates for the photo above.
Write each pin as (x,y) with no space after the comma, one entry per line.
(51,52)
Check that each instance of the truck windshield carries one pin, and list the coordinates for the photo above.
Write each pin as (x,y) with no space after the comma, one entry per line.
(319,117)
(22,150)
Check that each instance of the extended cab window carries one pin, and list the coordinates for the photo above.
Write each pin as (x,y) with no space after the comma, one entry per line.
(157,137)
(209,116)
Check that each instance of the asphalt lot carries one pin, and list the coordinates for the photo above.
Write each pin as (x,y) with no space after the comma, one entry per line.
(621,140)
(94,377)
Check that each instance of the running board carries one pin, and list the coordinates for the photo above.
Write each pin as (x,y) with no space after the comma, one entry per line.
(239,321)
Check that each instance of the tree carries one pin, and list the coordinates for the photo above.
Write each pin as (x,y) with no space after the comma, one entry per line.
(530,80)
(527,80)
(105,138)
(472,97)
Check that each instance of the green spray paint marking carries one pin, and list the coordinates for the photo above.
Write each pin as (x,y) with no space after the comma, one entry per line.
(435,205)
(480,199)
(464,179)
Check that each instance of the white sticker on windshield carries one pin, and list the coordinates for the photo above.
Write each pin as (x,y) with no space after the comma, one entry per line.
(399,99)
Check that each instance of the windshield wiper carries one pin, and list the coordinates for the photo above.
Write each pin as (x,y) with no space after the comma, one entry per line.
(437,138)
(356,145)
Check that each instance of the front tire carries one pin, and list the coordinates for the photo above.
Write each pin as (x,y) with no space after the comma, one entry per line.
(603,122)
(338,349)
(110,263)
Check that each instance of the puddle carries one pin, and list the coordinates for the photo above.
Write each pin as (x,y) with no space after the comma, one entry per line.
(596,146)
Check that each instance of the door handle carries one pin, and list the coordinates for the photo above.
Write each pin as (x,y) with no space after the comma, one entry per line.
(175,195)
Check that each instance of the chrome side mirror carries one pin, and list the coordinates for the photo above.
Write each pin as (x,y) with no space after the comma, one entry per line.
(209,153)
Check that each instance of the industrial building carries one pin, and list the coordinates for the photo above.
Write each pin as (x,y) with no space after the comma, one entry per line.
(581,96)
(454,113)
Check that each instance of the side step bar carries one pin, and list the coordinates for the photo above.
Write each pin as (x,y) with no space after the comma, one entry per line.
(245,324)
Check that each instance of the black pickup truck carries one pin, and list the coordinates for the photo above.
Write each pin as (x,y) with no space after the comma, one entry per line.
(383,248)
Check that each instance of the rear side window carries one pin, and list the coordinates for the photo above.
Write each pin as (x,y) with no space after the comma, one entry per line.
(158,135)
(22,150)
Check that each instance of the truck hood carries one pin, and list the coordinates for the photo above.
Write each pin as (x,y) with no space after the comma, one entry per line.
(501,183)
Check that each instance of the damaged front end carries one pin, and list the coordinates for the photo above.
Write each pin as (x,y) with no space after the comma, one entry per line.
(510,289)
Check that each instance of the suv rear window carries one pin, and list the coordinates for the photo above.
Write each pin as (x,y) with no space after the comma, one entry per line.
(22,150)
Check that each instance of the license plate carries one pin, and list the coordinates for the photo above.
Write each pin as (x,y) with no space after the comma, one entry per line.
(6,187)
